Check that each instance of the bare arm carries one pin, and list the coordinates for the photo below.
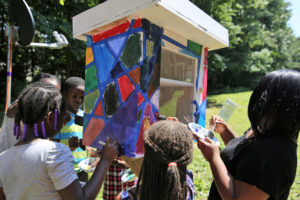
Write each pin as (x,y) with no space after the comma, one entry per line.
(2,195)
(228,135)
(92,187)
(228,187)
(221,127)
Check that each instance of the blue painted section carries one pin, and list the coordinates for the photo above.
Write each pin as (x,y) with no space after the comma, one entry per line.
(104,61)
(119,129)
(117,45)
(89,41)
(202,110)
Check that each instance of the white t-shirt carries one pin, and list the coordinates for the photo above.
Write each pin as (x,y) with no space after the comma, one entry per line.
(7,138)
(36,170)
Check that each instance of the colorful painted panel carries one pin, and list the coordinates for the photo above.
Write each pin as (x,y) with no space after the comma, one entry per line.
(122,84)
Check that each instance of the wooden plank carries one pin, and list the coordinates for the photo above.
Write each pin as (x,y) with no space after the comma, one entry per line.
(174,83)
(196,17)
(106,13)
(178,16)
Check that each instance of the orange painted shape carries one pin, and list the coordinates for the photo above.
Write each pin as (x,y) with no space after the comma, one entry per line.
(89,57)
(125,86)
(136,75)
(92,131)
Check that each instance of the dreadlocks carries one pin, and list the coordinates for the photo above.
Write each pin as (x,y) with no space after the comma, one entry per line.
(168,151)
(34,103)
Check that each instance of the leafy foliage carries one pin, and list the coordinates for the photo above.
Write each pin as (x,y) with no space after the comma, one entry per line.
(49,16)
(260,41)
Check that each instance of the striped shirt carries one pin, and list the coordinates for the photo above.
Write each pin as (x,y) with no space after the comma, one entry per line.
(69,130)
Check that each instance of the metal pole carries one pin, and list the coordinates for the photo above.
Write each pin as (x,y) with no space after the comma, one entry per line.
(10,35)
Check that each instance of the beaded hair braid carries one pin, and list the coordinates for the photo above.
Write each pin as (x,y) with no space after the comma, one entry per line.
(166,142)
(34,103)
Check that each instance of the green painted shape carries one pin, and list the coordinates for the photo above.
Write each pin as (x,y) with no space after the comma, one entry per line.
(150,47)
(195,47)
(132,51)
(91,78)
(90,101)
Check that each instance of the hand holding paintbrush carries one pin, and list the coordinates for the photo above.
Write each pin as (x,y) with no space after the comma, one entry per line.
(217,124)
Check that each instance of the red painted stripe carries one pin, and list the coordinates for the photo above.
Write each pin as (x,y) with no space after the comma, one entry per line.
(137,23)
(121,28)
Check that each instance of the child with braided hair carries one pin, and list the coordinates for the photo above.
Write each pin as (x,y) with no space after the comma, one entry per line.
(7,139)
(164,174)
(36,168)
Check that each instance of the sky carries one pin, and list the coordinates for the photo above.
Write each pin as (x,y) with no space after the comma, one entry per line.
(294,21)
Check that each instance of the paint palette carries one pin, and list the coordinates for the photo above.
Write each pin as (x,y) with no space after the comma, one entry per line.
(202,132)
(89,164)
(128,176)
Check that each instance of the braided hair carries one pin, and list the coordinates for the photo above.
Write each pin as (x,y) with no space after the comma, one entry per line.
(274,106)
(166,142)
(34,103)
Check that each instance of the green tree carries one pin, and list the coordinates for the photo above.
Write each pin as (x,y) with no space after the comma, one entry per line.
(259,40)
(294,50)
(27,61)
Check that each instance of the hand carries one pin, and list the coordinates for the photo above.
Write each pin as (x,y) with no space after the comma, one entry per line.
(172,119)
(120,163)
(110,150)
(73,143)
(208,148)
(91,152)
(218,123)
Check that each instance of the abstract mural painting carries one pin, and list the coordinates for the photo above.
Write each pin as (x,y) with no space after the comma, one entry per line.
(122,84)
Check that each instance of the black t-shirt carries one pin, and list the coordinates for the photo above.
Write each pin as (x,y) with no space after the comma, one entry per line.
(268,162)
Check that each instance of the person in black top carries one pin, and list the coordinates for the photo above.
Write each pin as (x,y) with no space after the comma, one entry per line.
(262,163)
